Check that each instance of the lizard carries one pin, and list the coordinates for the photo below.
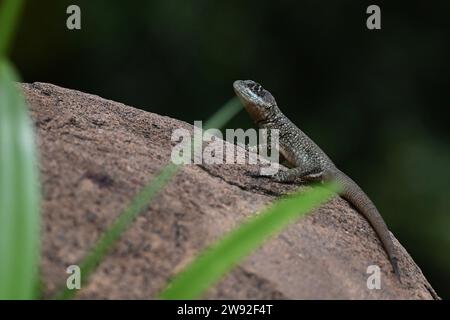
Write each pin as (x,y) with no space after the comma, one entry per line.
(307,160)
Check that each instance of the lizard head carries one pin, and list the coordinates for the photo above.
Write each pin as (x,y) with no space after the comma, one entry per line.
(258,102)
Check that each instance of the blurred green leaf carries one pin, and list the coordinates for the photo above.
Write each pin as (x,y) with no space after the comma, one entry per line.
(224,114)
(19,193)
(210,266)
(9,13)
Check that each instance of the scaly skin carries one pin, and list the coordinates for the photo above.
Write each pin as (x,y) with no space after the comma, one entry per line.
(308,161)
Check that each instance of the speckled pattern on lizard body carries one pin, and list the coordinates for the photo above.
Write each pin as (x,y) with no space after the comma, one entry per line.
(308,161)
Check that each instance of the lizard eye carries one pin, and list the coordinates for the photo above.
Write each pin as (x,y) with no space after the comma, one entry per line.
(257,88)
(265,95)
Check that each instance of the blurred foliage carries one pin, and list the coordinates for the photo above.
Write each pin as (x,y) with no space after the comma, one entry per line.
(376,101)
(19,183)
(19,193)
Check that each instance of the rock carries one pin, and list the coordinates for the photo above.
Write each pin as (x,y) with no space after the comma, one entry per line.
(96,155)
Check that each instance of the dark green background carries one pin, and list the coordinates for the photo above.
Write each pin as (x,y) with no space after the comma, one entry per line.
(376,101)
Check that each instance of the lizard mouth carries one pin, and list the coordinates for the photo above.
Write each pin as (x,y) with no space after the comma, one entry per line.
(248,89)
(240,88)
(251,95)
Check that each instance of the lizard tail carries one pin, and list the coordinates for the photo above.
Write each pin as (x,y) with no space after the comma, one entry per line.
(356,196)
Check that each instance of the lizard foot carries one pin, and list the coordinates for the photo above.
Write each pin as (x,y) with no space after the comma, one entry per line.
(286,177)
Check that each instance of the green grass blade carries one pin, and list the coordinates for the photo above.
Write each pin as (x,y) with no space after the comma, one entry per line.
(223,115)
(138,204)
(9,13)
(19,193)
(211,265)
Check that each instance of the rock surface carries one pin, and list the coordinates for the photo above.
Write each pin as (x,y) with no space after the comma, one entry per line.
(95,156)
